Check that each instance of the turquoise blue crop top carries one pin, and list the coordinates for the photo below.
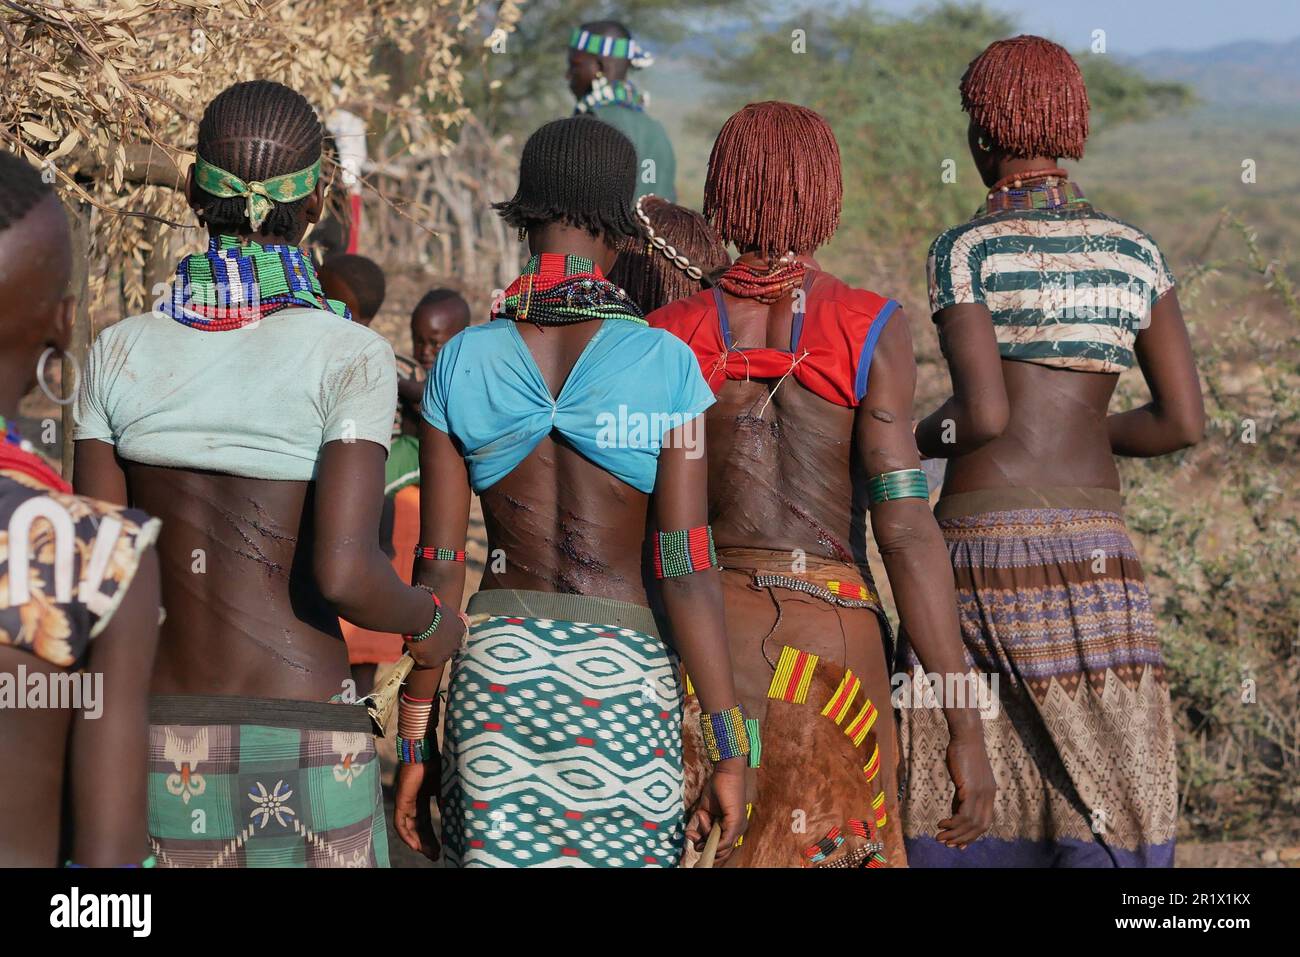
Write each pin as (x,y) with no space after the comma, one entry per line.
(630,386)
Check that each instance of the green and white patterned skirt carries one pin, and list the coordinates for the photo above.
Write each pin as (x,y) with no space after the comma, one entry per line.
(563,737)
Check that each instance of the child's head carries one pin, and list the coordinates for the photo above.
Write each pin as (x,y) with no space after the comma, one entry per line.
(435,319)
(257,165)
(357,282)
(35,266)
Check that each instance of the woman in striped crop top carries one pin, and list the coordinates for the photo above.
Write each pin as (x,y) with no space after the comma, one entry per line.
(1041,300)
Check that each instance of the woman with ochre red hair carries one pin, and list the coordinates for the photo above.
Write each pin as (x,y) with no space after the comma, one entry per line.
(1041,300)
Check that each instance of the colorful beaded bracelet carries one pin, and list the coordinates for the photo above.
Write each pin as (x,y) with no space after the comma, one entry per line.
(413,750)
(684,552)
(439,554)
(725,734)
(904,483)
(437,617)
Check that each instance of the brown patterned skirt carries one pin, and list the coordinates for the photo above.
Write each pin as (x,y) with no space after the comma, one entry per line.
(1053,604)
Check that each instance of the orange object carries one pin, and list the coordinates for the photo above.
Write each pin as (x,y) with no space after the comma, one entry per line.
(367,647)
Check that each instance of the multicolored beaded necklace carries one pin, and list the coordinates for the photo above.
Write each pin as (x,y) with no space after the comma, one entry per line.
(556,290)
(19,455)
(618,92)
(746,281)
(237,283)
(1037,189)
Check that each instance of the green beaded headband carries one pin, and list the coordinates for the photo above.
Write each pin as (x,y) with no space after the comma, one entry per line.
(260,194)
(620,48)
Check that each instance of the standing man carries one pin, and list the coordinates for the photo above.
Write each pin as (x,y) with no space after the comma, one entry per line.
(811,429)
(600,54)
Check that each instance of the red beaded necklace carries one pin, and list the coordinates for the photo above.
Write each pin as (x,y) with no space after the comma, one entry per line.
(768,285)
(18,455)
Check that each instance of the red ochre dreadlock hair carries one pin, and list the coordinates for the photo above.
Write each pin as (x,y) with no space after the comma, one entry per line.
(1028,95)
(774,180)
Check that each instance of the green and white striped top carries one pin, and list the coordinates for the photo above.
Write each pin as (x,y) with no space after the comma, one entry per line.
(1067,287)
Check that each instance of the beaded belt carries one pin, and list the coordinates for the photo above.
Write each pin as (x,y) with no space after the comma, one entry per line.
(839,596)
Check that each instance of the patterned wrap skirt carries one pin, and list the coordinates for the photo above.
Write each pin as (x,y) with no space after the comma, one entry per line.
(253,782)
(1056,620)
(562,744)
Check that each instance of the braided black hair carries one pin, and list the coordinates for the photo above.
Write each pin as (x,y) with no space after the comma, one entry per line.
(363,276)
(21,189)
(580,171)
(257,130)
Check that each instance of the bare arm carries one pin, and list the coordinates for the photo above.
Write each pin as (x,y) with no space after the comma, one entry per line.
(109,754)
(916,561)
(351,570)
(444,523)
(978,409)
(693,604)
(1175,417)
(97,473)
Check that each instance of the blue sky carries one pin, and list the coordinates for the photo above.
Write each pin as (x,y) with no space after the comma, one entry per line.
(1139,26)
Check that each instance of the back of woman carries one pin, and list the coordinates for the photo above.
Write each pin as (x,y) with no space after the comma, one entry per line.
(254,417)
(1041,301)
(576,423)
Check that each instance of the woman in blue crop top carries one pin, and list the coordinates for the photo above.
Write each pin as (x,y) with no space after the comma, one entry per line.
(580,428)
(78,591)
(1041,301)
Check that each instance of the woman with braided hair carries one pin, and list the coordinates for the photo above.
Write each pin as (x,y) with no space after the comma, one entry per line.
(251,416)
(811,428)
(680,255)
(1041,300)
(578,426)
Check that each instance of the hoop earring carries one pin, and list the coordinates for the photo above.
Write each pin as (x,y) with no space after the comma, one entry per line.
(984,147)
(40,377)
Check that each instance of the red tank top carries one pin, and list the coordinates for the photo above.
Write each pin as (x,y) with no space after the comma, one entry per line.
(831,341)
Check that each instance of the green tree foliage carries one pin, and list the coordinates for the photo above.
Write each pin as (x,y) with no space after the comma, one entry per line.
(888,86)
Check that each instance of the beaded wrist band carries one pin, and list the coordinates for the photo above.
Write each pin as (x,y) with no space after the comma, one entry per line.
(725,734)
(413,750)
(904,483)
(437,617)
(439,554)
(684,552)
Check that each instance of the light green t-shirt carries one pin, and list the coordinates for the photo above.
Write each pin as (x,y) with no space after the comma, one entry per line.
(257,402)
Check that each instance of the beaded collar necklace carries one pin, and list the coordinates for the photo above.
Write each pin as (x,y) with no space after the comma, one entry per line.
(556,290)
(618,92)
(19,455)
(746,281)
(1037,189)
(237,283)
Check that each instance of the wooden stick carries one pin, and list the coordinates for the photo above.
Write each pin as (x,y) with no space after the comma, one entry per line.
(710,847)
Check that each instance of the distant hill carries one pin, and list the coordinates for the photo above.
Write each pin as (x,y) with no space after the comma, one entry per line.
(1249,74)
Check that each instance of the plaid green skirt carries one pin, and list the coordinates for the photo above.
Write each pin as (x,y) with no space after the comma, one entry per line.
(248,782)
